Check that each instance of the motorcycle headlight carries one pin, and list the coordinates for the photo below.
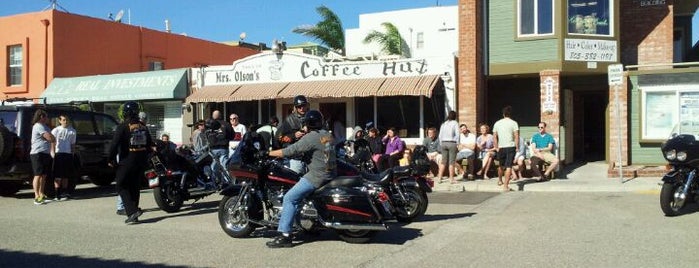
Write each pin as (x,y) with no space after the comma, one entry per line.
(681,156)
(671,155)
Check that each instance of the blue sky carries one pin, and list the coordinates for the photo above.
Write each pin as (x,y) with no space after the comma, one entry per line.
(224,20)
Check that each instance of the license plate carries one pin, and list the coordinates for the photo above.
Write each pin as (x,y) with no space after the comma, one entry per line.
(154,182)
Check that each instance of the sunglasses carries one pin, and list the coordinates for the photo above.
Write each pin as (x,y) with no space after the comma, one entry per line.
(542,127)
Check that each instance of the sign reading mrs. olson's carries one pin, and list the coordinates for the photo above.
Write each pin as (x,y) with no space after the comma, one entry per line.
(290,67)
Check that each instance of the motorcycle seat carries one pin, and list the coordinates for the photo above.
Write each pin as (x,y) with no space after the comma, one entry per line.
(402,171)
(385,175)
(345,181)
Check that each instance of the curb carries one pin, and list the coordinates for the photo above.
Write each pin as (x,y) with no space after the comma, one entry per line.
(636,185)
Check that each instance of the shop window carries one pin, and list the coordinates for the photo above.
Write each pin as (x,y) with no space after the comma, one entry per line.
(668,111)
(401,112)
(535,17)
(590,17)
(246,110)
(14,65)
(105,125)
(364,111)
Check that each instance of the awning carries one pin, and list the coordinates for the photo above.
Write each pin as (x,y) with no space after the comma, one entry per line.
(168,84)
(333,88)
(412,86)
(219,93)
(395,86)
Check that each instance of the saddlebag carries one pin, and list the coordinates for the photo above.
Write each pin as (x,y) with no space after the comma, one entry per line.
(343,204)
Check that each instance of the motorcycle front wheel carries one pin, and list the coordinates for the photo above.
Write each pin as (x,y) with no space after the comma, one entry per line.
(412,207)
(168,197)
(671,199)
(233,217)
(356,236)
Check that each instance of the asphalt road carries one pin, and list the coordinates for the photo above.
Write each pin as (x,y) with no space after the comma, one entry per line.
(517,229)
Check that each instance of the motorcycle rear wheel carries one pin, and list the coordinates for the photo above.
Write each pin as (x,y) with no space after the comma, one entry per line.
(356,236)
(670,201)
(168,197)
(233,217)
(413,206)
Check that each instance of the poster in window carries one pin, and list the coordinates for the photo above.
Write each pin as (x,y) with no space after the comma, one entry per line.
(689,112)
(659,114)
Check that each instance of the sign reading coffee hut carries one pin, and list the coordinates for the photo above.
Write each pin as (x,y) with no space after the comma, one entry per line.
(287,67)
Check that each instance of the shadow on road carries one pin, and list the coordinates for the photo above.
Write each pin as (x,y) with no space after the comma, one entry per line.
(198,208)
(30,259)
(442,217)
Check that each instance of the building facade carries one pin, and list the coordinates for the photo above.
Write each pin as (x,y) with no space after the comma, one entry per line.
(41,46)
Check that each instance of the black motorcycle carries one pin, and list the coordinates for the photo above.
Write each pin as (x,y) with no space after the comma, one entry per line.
(184,175)
(679,184)
(354,209)
(407,186)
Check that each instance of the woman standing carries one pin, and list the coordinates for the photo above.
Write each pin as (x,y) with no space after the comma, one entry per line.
(486,150)
(40,153)
(448,138)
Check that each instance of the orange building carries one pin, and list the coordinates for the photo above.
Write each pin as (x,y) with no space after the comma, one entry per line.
(43,45)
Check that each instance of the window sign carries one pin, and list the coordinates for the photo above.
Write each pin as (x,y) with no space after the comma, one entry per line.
(663,110)
(535,17)
(590,17)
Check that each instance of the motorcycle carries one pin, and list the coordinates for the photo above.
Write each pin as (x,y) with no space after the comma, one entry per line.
(680,184)
(185,175)
(407,186)
(354,209)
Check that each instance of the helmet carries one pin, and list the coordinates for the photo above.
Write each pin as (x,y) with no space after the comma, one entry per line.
(300,100)
(313,120)
(130,110)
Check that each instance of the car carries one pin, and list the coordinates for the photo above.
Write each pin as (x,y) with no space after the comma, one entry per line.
(94,134)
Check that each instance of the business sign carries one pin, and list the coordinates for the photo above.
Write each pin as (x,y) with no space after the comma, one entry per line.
(590,50)
(615,74)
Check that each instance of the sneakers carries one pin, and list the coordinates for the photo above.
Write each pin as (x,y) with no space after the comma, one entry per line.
(133,218)
(121,212)
(280,241)
(64,197)
(39,201)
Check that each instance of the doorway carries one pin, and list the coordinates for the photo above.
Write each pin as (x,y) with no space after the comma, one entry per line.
(590,132)
(335,114)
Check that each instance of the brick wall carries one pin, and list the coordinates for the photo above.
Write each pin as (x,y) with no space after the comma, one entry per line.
(551,116)
(646,33)
(616,125)
(470,97)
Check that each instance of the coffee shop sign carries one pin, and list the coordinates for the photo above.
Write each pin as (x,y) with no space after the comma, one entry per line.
(309,70)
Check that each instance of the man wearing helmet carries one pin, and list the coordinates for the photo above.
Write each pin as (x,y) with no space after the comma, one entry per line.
(290,130)
(318,143)
(131,142)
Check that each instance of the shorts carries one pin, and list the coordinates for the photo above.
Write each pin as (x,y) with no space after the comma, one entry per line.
(41,163)
(506,156)
(463,154)
(548,157)
(448,152)
(435,157)
(63,165)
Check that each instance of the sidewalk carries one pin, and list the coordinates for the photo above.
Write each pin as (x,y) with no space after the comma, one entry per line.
(591,177)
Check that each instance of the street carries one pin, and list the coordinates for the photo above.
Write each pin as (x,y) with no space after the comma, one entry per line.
(517,229)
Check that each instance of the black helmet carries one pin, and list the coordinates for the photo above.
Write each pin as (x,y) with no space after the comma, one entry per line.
(313,120)
(130,110)
(300,100)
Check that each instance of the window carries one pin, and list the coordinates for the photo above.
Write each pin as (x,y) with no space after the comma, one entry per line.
(664,110)
(420,40)
(14,65)
(155,66)
(105,125)
(535,17)
(590,17)
(400,112)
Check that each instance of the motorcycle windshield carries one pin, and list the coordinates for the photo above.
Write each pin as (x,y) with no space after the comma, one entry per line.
(688,127)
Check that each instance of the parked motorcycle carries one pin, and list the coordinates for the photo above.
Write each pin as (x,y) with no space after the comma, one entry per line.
(407,186)
(185,175)
(680,184)
(347,205)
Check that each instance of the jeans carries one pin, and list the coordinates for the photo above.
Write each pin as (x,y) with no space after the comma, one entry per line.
(291,202)
(119,203)
(297,166)
(222,155)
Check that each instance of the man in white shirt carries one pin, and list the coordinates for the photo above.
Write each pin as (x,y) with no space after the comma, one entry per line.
(467,149)
(63,149)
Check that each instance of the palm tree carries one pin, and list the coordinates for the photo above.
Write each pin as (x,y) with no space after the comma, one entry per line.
(391,41)
(328,31)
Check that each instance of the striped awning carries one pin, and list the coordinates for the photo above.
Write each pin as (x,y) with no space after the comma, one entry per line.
(394,86)
(411,86)
(333,88)
(219,93)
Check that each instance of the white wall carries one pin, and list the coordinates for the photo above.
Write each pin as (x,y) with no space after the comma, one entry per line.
(439,26)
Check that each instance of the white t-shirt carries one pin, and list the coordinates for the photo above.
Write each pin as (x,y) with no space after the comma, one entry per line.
(239,129)
(467,139)
(65,139)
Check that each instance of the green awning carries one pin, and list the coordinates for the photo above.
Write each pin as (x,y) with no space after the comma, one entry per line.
(168,84)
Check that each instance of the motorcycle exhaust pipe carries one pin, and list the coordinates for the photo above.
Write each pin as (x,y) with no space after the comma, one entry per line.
(342,226)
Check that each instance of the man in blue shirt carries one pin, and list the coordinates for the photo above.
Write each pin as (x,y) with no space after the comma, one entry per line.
(542,147)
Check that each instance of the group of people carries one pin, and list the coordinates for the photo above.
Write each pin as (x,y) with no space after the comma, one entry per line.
(51,152)
(455,143)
